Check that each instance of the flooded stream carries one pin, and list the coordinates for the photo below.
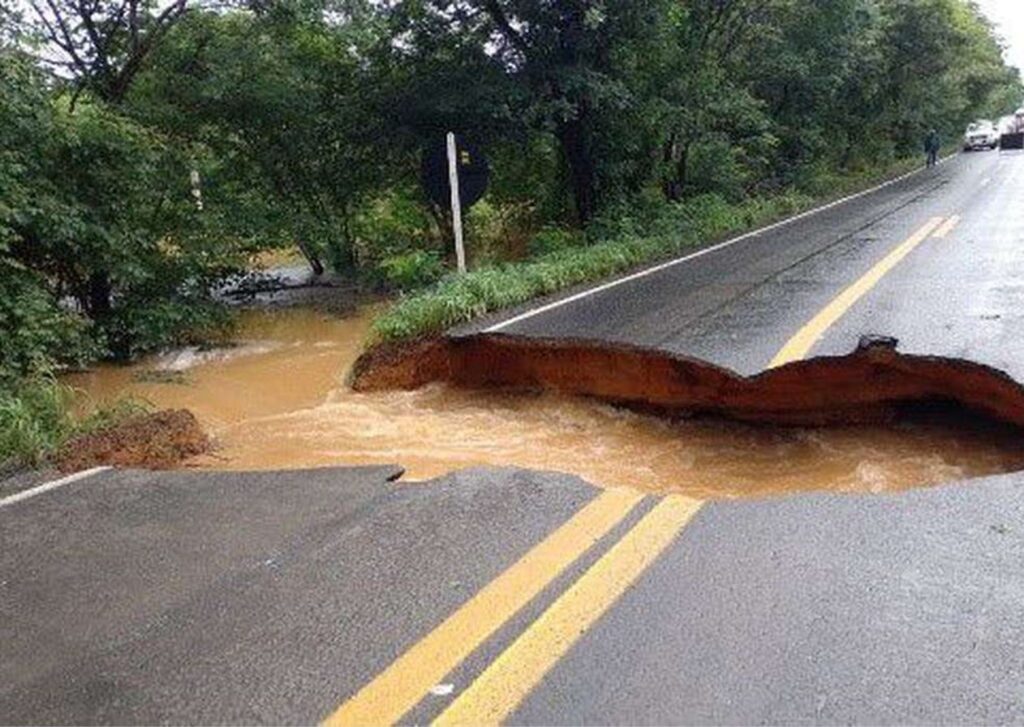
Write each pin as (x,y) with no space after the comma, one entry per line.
(278,400)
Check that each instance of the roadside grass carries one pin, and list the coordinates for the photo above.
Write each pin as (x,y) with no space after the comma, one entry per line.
(621,240)
(38,416)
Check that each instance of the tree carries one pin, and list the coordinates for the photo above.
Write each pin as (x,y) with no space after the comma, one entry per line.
(564,70)
(103,44)
(706,84)
(573,57)
(37,332)
(291,99)
(94,192)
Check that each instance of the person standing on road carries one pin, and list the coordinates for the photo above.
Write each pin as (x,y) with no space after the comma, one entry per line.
(932,144)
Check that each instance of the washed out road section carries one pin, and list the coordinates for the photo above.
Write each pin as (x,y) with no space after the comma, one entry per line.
(279,400)
(828,609)
(835,609)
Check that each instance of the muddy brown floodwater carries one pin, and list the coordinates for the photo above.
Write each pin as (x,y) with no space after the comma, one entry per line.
(278,400)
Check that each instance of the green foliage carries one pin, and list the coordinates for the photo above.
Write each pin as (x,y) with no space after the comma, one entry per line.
(498,230)
(410,270)
(38,416)
(37,333)
(717,167)
(152,322)
(673,228)
(97,209)
(287,98)
(34,420)
(390,224)
(554,239)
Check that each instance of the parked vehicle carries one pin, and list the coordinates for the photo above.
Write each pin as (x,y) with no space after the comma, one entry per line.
(981,134)
(1013,136)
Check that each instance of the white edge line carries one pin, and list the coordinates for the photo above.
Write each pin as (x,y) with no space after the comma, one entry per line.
(53,485)
(700,253)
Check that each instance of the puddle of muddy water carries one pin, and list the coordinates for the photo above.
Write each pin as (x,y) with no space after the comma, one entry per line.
(278,400)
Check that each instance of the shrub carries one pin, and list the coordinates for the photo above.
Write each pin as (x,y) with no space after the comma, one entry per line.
(391,224)
(36,332)
(155,324)
(35,419)
(498,231)
(37,416)
(410,270)
(715,168)
(554,239)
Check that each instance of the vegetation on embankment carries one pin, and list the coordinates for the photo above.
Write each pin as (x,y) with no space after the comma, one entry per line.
(633,240)
(626,239)
(38,417)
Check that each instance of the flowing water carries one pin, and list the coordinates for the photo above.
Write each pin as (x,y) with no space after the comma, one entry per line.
(278,400)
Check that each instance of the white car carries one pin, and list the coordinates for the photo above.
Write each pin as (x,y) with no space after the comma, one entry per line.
(981,135)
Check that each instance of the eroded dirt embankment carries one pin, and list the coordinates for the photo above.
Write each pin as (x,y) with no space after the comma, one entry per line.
(866,385)
(161,440)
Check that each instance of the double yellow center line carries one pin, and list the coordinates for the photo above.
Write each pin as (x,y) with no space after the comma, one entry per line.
(509,679)
(402,685)
(503,685)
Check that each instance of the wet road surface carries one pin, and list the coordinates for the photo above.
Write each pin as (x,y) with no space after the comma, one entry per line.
(525,597)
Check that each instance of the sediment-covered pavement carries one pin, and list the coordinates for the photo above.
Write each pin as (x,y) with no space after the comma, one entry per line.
(534,598)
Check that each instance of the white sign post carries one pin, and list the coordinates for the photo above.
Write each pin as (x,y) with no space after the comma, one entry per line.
(197,190)
(453,183)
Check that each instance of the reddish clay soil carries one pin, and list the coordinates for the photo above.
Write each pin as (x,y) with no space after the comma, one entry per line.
(865,385)
(161,440)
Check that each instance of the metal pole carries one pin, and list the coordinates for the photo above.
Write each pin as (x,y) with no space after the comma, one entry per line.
(453,183)
(197,190)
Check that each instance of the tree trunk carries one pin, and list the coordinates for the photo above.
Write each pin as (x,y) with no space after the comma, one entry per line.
(311,257)
(572,136)
(100,290)
(670,185)
(445,231)
(682,171)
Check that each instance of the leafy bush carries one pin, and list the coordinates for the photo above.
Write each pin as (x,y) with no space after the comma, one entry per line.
(498,231)
(152,324)
(391,224)
(554,239)
(35,419)
(715,167)
(410,270)
(38,415)
(37,333)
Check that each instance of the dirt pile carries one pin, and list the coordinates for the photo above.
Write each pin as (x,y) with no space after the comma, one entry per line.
(866,385)
(161,440)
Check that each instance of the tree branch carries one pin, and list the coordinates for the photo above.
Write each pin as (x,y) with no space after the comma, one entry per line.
(508,32)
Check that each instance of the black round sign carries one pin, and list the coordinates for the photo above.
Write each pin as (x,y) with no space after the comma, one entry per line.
(473,173)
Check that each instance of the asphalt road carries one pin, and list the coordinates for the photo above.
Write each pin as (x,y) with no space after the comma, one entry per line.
(534,598)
